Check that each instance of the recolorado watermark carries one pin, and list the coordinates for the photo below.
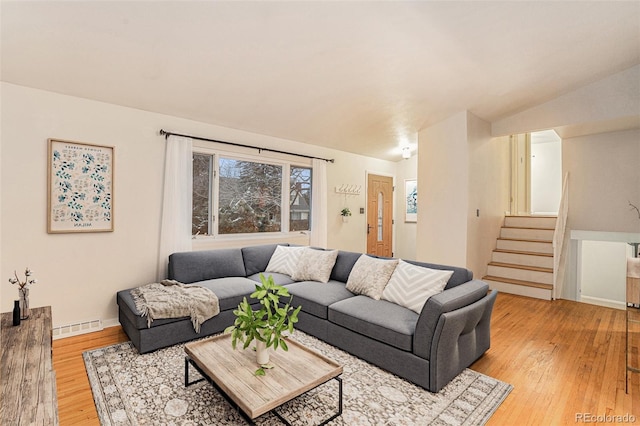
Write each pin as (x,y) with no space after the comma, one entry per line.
(605,418)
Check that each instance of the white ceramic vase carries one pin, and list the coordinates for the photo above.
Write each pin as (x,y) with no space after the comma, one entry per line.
(262,353)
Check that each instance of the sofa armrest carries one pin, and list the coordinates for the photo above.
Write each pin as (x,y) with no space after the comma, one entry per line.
(446,301)
(461,337)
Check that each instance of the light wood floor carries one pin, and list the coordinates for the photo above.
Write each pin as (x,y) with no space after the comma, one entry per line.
(563,359)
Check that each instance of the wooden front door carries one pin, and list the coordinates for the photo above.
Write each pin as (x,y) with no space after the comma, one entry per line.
(379,215)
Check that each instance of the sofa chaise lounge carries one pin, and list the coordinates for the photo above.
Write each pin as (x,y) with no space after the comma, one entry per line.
(428,348)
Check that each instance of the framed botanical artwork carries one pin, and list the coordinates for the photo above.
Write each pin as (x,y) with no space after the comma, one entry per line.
(410,200)
(80,187)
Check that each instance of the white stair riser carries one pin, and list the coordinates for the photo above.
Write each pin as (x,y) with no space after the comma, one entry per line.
(527,234)
(535,247)
(530,222)
(520,274)
(538,293)
(523,259)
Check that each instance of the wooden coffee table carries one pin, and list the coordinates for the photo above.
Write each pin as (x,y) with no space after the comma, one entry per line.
(296,371)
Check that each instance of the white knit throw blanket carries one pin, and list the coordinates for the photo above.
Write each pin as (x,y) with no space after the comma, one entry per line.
(173,299)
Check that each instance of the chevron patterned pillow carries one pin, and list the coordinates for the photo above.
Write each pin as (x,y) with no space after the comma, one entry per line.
(410,285)
(284,260)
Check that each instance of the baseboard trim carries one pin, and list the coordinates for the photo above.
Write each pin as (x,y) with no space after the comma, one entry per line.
(603,302)
(82,327)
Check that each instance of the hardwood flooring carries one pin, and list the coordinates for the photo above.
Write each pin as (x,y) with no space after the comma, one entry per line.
(564,359)
(75,400)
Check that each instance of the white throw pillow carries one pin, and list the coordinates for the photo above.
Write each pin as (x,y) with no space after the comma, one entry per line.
(370,275)
(284,260)
(411,285)
(315,265)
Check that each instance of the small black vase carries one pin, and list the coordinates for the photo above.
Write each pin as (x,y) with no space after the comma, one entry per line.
(16,312)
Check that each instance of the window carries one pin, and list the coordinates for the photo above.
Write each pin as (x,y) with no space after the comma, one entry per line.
(246,196)
(299,198)
(202,173)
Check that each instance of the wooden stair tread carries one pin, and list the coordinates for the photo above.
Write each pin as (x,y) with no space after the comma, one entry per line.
(517,282)
(534,216)
(529,227)
(528,253)
(528,241)
(525,267)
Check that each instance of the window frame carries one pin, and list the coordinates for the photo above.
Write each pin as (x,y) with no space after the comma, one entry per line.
(214,188)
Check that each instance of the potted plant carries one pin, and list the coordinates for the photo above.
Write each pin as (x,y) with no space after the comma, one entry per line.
(345,213)
(269,325)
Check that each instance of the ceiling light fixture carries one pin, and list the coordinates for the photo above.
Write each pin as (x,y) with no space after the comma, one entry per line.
(406,152)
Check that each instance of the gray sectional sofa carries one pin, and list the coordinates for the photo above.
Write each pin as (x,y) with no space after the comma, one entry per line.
(428,349)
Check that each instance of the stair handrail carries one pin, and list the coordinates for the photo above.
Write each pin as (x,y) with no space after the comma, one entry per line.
(558,234)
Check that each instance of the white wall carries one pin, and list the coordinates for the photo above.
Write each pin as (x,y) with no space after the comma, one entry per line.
(489,172)
(603,273)
(461,169)
(405,232)
(609,102)
(443,192)
(604,176)
(79,274)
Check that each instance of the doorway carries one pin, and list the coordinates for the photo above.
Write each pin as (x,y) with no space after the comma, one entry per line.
(379,215)
(536,173)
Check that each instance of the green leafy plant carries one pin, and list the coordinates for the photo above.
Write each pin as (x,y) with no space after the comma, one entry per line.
(345,212)
(271,324)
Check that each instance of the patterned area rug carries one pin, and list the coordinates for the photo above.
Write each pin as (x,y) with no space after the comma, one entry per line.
(134,389)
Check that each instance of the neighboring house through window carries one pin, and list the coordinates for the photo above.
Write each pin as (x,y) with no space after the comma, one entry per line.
(246,195)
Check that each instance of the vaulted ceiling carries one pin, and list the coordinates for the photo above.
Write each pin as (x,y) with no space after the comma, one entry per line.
(358,76)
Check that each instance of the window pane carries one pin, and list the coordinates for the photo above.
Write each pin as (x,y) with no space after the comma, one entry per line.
(380,215)
(300,199)
(250,197)
(201,193)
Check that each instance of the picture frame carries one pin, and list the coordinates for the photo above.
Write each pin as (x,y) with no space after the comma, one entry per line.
(80,181)
(410,200)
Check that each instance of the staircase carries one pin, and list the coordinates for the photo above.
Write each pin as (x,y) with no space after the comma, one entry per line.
(522,262)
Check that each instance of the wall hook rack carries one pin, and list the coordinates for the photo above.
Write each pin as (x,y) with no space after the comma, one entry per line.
(348,189)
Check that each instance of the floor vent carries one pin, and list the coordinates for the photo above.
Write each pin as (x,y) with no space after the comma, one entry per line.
(77,328)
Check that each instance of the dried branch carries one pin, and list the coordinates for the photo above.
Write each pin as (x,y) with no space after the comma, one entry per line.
(636,209)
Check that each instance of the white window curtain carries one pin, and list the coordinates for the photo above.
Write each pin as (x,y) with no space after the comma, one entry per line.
(319,204)
(175,231)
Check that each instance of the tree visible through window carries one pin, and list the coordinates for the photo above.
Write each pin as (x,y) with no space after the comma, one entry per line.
(248,196)
(202,172)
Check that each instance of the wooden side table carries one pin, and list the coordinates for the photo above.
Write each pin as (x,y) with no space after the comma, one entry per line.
(27,379)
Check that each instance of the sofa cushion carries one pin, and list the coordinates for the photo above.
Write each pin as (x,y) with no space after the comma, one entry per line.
(230,290)
(378,319)
(315,265)
(315,297)
(285,260)
(193,266)
(280,279)
(370,275)
(344,264)
(256,258)
(410,285)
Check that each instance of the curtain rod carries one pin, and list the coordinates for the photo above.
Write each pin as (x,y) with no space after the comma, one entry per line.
(167,134)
